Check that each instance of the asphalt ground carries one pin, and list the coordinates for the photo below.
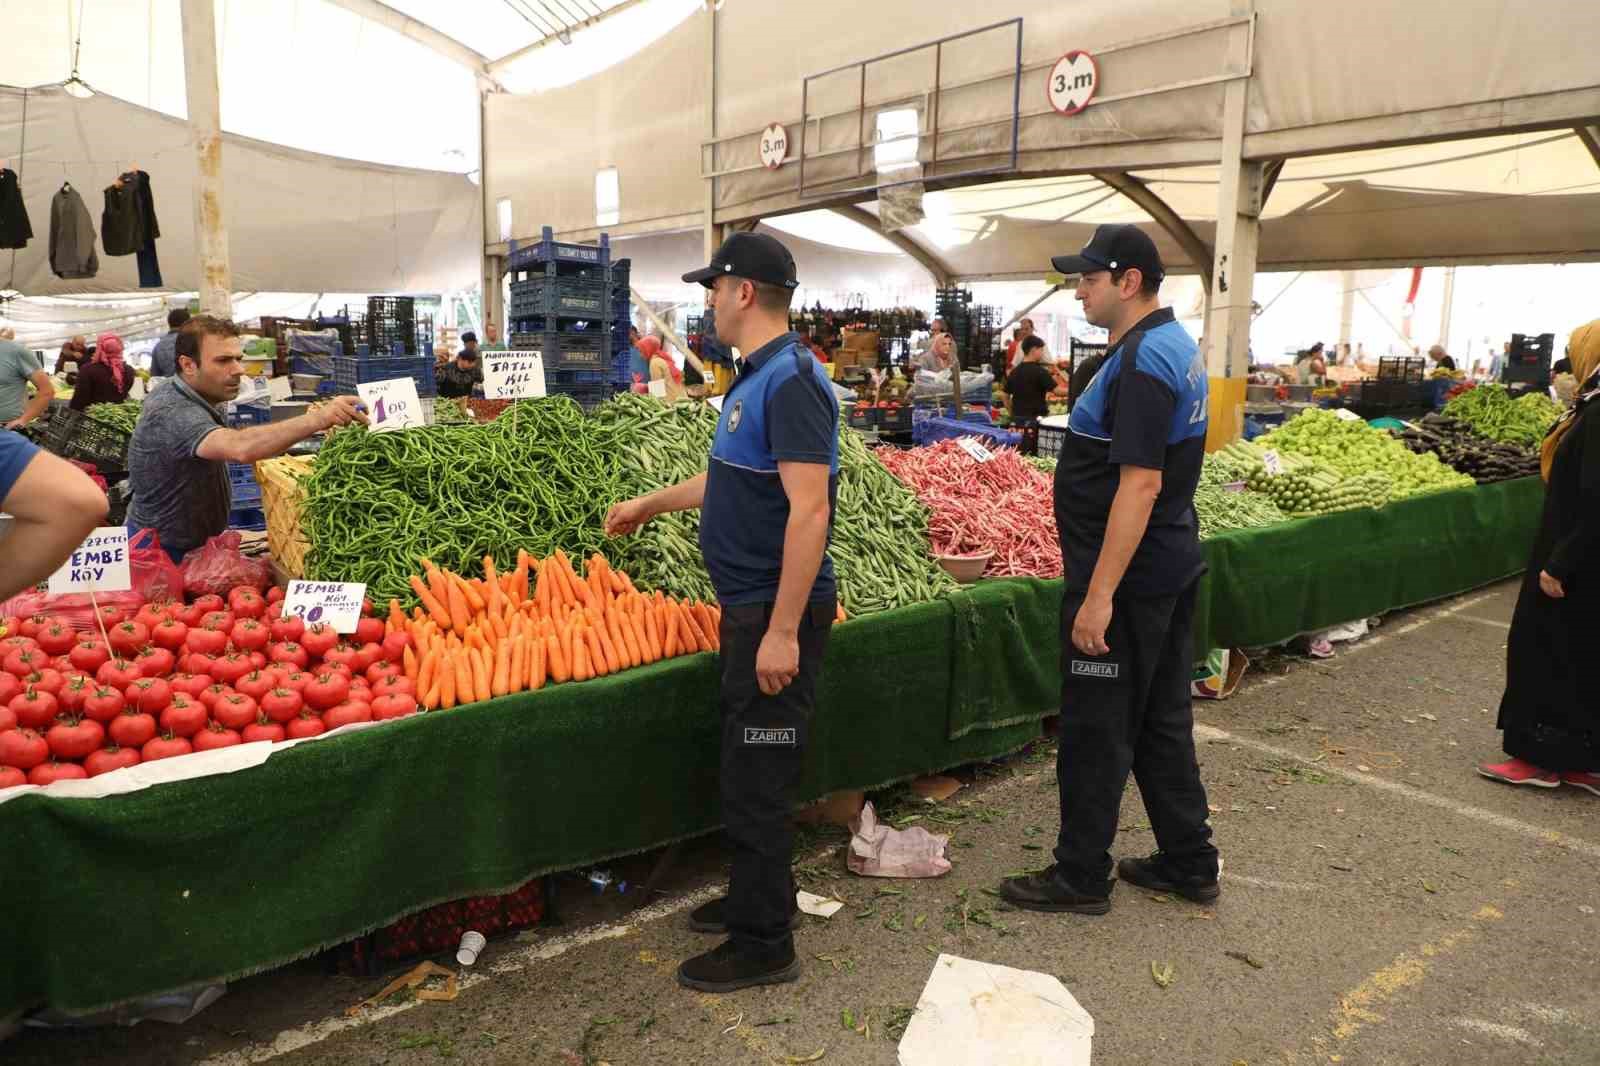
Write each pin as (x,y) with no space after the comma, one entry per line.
(1382,904)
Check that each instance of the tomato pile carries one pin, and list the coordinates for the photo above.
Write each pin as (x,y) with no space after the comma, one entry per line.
(175,678)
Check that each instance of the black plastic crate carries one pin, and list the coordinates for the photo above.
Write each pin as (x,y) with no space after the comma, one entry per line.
(895,419)
(73,435)
(556,324)
(863,416)
(549,250)
(589,389)
(1401,368)
(566,351)
(1051,440)
(573,297)
(350,371)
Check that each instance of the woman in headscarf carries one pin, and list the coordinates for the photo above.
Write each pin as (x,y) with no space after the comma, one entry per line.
(106,378)
(1550,714)
(662,368)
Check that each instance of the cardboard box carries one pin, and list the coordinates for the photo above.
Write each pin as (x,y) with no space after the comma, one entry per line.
(861,340)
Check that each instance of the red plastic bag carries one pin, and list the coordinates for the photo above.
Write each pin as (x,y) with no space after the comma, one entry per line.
(154,577)
(218,565)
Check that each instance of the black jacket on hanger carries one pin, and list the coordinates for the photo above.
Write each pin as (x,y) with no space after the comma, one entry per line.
(15,230)
(128,224)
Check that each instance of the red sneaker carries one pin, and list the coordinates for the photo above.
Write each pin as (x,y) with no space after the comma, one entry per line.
(1517,772)
(1582,779)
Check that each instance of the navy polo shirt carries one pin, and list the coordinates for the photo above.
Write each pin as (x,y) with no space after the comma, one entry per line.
(781,409)
(1147,407)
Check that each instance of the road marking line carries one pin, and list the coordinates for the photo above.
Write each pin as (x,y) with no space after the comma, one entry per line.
(1509,1033)
(1466,810)
(1282,886)
(1483,621)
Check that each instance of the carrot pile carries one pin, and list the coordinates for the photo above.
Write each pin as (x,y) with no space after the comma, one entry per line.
(541,623)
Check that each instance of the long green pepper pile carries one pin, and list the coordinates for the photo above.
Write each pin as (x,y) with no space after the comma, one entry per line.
(123,416)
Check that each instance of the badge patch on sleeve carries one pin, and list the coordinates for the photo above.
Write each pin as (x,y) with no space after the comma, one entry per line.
(1087,669)
(786,738)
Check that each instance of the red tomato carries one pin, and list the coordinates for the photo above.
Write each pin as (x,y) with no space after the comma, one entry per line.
(235,710)
(48,680)
(296,680)
(281,704)
(214,736)
(369,631)
(202,641)
(366,607)
(381,669)
(319,640)
(246,602)
(11,777)
(169,633)
(10,685)
(326,691)
(286,629)
(248,634)
(155,662)
(89,655)
(360,690)
(104,703)
(289,652)
(75,738)
(222,621)
(258,660)
(196,663)
(117,674)
(17,642)
(191,685)
(33,708)
(149,616)
(264,728)
(340,668)
(348,654)
(113,616)
(303,725)
(164,747)
(8,719)
(231,667)
(394,705)
(275,594)
(396,683)
(24,661)
(395,645)
(127,638)
(23,748)
(212,693)
(75,692)
(132,728)
(258,683)
(48,773)
(369,654)
(191,615)
(57,639)
(183,717)
(109,758)
(347,714)
(210,602)
(150,694)
(30,626)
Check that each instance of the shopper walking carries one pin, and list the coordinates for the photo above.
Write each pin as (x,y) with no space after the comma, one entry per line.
(1549,713)
(105,378)
(461,375)
(164,358)
(1124,502)
(766,509)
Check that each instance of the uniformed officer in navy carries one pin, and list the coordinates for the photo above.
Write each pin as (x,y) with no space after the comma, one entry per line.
(1124,502)
(766,511)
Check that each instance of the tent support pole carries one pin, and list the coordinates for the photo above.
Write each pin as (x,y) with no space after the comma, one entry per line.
(1347,309)
(205,130)
(1239,198)
(669,333)
(712,236)
(1590,136)
(1145,198)
(929,261)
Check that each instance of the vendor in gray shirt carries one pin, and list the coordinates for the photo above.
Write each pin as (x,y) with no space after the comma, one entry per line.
(177,459)
(164,358)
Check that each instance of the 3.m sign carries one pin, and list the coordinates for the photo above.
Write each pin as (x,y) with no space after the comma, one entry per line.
(1073,81)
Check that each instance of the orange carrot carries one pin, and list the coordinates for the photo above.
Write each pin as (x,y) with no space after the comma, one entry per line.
(537,682)
(558,665)
(424,676)
(652,622)
(581,667)
(616,658)
(500,682)
(519,589)
(689,631)
(669,625)
(447,683)
(702,618)
(564,632)
(435,608)
(624,630)
(430,699)
(469,591)
(409,662)
(460,618)
(491,582)
(435,579)
(641,638)
(461,663)
(595,645)
(480,675)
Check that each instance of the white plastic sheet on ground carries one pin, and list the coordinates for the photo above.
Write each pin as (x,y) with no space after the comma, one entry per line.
(978,1014)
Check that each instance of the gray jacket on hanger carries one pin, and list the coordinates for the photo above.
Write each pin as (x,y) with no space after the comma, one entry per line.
(71,236)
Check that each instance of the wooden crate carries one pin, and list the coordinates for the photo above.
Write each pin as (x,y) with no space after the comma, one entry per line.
(280,500)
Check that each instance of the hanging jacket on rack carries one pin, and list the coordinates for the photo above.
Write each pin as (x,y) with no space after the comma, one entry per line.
(71,236)
(15,230)
(128,225)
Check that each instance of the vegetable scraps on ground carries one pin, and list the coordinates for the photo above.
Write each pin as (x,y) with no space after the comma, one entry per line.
(1001,505)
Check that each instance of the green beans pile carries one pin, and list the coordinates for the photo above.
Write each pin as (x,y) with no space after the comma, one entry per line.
(880,537)
(451,412)
(540,477)
(121,416)
(1223,509)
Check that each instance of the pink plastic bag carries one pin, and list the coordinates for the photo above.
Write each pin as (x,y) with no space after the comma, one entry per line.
(878,850)
(218,565)
(154,577)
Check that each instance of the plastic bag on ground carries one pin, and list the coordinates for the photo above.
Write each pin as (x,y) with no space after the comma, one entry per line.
(218,565)
(878,850)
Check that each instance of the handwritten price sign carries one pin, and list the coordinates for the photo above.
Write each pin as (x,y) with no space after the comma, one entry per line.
(513,375)
(338,603)
(100,564)
(392,405)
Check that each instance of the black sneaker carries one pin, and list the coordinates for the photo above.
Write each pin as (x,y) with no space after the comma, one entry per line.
(1047,891)
(709,917)
(730,967)
(1158,875)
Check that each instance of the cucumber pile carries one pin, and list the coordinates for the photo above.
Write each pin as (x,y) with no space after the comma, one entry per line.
(1303,486)
(1351,448)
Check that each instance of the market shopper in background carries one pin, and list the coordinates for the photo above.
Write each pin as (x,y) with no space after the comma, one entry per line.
(177,459)
(1024,331)
(638,365)
(459,376)
(53,506)
(766,509)
(70,359)
(1124,502)
(1031,386)
(164,357)
(1549,713)
(105,378)
(20,368)
(938,358)
(1441,359)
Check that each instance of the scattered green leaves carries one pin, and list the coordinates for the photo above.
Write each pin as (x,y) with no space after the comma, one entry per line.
(1162,973)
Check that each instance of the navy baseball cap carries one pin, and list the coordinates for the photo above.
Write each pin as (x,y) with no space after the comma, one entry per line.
(1114,247)
(756,256)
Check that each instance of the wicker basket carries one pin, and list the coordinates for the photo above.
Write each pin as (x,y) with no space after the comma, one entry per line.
(280,499)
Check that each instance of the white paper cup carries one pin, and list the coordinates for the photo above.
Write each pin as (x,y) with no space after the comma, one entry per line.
(472,942)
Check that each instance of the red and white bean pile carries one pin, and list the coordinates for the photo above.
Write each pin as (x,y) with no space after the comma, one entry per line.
(1003,505)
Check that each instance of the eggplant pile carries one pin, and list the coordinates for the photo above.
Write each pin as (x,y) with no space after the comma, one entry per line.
(1455,443)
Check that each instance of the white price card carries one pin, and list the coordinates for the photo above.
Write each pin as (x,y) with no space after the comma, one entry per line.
(974,449)
(1273,464)
(99,564)
(513,375)
(658,389)
(716,402)
(392,404)
(338,603)
(1346,414)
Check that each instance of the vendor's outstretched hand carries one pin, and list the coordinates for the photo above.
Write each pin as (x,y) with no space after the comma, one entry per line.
(625,517)
(342,411)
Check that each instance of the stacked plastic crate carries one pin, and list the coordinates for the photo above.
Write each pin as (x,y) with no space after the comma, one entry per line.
(245,509)
(621,321)
(561,307)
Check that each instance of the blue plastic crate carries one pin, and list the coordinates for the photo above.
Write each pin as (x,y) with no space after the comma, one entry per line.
(933,430)
(348,372)
(252,518)
(311,364)
(571,297)
(249,414)
(566,351)
(549,250)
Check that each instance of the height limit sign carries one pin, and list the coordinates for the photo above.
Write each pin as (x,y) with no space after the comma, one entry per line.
(1073,81)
